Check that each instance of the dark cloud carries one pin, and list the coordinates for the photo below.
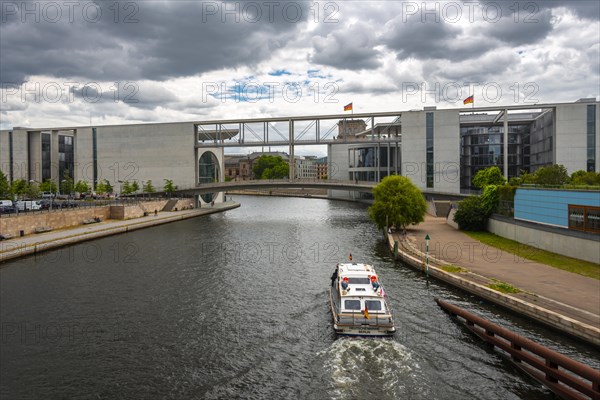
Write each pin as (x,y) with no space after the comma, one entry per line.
(349,48)
(149,40)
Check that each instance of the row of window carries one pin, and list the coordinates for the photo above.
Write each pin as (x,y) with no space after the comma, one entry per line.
(584,218)
(371,305)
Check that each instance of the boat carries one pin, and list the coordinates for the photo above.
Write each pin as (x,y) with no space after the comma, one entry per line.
(358,302)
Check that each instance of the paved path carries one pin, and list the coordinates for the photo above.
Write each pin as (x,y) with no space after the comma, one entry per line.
(23,245)
(570,294)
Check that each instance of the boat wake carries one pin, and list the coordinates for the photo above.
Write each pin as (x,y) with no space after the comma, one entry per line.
(365,367)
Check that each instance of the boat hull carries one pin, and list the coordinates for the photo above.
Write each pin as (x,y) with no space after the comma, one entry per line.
(369,328)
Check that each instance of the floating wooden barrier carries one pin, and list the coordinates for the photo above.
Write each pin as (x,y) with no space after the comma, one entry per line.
(566,377)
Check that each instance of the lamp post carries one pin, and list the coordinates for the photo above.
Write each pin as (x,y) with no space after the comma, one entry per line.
(427,256)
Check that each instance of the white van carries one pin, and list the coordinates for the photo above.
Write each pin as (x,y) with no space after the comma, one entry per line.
(26,205)
(6,203)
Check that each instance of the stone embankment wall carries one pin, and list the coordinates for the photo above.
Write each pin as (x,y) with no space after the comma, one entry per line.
(58,219)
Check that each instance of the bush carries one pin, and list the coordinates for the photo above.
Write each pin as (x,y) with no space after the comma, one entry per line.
(472,214)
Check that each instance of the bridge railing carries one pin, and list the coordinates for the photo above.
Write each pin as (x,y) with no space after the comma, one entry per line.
(566,377)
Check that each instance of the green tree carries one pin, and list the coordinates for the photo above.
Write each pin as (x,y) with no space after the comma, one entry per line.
(169,188)
(552,175)
(67,185)
(135,187)
(585,178)
(101,187)
(126,188)
(488,176)
(148,187)
(525,178)
(397,202)
(471,214)
(489,198)
(277,166)
(82,187)
(5,192)
(32,191)
(109,188)
(18,187)
(48,186)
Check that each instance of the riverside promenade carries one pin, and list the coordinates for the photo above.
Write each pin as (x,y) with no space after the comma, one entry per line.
(561,299)
(36,243)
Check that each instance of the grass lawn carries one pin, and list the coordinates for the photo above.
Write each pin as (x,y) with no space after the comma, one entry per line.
(580,267)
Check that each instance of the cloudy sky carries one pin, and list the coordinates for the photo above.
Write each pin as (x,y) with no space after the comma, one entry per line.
(64,63)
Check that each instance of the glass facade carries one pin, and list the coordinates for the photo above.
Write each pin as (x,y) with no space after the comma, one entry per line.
(66,157)
(482,146)
(46,157)
(591,138)
(208,172)
(95,156)
(429,148)
(11,159)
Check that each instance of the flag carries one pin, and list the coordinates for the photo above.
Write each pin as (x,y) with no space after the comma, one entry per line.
(366,312)
(469,100)
(348,107)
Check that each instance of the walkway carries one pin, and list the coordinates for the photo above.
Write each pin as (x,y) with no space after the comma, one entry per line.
(566,293)
(30,244)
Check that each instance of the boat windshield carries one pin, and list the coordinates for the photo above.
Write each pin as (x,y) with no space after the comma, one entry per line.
(352,304)
(373,305)
(359,281)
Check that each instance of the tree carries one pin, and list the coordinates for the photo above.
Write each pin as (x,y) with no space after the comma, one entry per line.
(5,192)
(471,214)
(169,188)
(66,186)
(101,187)
(490,199)
(523,179)
(32,191)
(148,188)
(135,187)
(18,187)
(397,202)
(552,175)
(126,188)
(48,186)
(488,176)
(82,187)
(109,188)
(276,166)
(585,178)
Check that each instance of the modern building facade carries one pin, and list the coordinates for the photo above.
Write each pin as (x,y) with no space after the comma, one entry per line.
(440,150)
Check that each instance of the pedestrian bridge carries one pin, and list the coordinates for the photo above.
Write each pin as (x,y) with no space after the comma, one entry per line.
(216,187)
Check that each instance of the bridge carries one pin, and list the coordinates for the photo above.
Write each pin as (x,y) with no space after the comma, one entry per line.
(216,187)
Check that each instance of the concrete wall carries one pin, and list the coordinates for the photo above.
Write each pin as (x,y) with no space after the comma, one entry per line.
(571,140)
(337,158)
(55,220)
(20,159)
(413,147)
(150,206)
(571,246)
(126,212)
(4,153)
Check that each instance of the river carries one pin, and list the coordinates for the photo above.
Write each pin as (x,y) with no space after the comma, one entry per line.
(234,305)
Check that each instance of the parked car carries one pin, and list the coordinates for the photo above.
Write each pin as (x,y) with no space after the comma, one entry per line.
(48,195)
(26,205)
(7,209)
(45,203)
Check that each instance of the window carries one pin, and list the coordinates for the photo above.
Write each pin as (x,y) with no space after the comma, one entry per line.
(373,305)
(359,281)
(352,304)
(584,218)
(429,148)
(591,138)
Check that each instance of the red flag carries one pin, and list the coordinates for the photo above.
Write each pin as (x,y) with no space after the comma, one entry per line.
(469,100)
(348,107)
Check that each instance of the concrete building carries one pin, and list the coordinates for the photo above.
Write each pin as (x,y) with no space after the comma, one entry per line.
(439,150)
(442,150)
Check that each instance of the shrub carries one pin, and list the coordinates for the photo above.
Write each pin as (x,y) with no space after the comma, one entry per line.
(471,214)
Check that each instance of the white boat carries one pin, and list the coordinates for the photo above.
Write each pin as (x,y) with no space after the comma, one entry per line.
(358,302)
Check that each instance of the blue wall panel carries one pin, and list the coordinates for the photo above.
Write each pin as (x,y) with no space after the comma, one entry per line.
(551,207)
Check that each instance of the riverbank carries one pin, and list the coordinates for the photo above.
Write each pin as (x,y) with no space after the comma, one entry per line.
(34,244)
(565,301)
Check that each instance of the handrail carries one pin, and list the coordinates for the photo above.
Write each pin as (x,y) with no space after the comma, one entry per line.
(566,377)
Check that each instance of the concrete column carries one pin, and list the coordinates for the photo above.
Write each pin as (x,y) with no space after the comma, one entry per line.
(291,162)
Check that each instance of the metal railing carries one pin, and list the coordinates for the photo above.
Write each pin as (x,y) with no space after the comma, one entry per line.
(566,377)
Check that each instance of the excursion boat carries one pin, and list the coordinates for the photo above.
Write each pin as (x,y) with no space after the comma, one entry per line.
(358,302)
